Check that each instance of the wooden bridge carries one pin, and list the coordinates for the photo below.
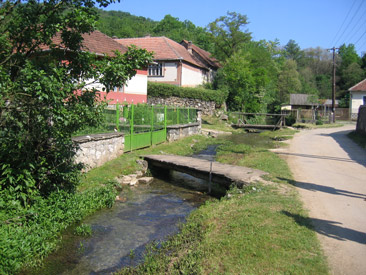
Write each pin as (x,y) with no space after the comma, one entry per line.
(243,121)
(222,174)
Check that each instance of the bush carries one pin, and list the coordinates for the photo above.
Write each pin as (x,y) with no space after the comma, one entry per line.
(290,120)
(167,90)
(27,235)
(319,122)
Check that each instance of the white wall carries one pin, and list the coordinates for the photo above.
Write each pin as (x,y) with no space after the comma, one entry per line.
(192,77)
(137,85)
(356,101)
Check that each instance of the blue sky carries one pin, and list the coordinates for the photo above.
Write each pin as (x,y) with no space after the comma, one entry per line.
(311,23)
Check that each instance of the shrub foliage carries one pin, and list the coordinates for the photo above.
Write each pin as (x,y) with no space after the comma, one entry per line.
(39,108)
(167,90)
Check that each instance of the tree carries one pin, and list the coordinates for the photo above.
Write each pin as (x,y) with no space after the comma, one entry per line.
(288,81)
(293,51)
(228,34)
(39,105)
(249,76)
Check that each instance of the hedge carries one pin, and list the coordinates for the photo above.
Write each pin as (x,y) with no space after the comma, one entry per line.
(167,90)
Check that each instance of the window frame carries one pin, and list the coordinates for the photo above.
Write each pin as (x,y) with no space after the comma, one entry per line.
(157,67)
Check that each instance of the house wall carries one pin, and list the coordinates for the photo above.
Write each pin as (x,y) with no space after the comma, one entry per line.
(134,91)
(192,76)
(170,76)
(356,101)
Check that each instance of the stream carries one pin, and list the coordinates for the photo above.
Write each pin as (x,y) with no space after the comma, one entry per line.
(120,234)
(149,213)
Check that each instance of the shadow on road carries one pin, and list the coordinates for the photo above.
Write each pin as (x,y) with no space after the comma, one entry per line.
(316,156)
(326,189)
(354,151)
(331,229)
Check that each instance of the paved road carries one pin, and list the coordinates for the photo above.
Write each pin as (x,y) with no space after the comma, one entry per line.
(330,174)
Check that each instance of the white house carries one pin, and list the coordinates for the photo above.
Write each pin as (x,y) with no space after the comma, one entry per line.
(182,64)
(357,98)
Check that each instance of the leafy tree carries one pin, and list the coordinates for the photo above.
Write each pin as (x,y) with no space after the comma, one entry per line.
(249,76)
(293,51)
(228,35)
(39,105)
(288,81)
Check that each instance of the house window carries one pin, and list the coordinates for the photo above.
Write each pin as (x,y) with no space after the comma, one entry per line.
(156,69)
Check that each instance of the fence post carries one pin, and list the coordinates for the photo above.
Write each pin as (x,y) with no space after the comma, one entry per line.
(178,113)
(152,124)
(117,116)
(165,117)
(131,125)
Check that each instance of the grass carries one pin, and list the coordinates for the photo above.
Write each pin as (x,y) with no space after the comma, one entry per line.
(358,138)
(215,123)
(314,126)
(262,229)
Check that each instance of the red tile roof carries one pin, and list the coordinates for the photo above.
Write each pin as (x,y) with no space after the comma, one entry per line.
(95,42)
(205,55)
(163,48)
(361,86)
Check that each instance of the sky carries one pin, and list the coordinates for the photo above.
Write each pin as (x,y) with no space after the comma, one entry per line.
(311,23)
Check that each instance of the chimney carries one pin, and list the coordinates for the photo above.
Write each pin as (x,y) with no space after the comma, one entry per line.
(189,47)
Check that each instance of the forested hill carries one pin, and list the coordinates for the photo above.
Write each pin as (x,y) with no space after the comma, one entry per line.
(123,24)
(266,72)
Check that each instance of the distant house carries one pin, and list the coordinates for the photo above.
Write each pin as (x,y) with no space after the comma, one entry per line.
(182,64)
(302,101)
(357,98)
(135,90)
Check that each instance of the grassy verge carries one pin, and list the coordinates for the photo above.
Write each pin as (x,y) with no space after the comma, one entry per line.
(314,126)
(359,138)
(262,229)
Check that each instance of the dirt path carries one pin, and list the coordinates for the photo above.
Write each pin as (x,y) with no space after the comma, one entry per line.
(330,174)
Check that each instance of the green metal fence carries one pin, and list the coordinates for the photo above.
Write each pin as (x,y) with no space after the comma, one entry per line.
(142,124)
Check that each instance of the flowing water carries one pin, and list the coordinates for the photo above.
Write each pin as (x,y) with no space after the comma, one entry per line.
(120,234)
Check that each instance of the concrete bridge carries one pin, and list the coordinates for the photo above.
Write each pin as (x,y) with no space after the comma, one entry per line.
(222,174)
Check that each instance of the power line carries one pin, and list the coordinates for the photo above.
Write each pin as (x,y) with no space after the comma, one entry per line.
(345,19)
(354,31)
(362,26)
(360,38)
(357,10)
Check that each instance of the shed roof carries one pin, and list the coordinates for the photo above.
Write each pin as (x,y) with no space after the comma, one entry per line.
(360,86)
(301,99)
(163,48)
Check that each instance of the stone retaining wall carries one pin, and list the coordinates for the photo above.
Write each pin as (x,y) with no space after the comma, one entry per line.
(95,150)
(361,120)
(207,107)
(175,132)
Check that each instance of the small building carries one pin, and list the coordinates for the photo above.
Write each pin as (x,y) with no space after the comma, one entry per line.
(182,64)
(303,101)
(357,98)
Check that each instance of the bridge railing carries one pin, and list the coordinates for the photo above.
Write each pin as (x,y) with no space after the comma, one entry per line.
(257,120)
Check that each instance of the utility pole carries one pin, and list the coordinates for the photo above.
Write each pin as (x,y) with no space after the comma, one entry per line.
(333,83)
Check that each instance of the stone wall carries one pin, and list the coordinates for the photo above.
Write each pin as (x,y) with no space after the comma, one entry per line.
(175,132)
(361,119)
(95,150)
(207,107)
